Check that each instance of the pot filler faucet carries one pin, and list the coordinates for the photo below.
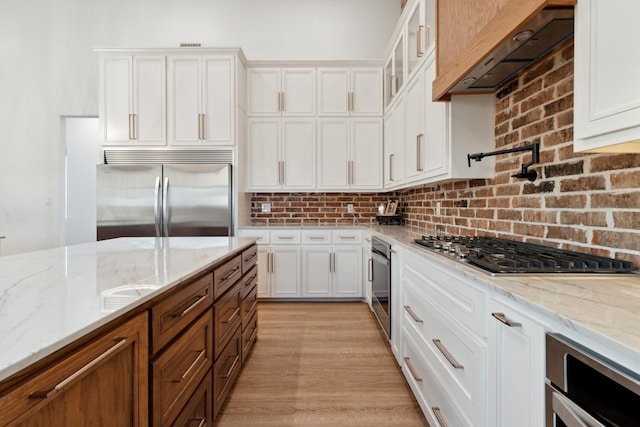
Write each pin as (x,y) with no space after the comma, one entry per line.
(531,175)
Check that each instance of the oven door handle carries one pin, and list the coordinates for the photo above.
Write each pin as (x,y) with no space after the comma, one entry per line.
(571,414)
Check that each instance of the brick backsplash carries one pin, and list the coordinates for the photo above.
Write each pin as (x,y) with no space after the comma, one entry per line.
(583,202)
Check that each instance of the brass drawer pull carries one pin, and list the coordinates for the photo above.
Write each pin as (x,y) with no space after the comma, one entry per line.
(89,366)
(191,307)
(184,376)
(407,360)
(202,423)
(503,318)
(255,302)
(447,355)
(253,255)
(438,415)
(228,276)
(413,315)
(234,314)
(233,366)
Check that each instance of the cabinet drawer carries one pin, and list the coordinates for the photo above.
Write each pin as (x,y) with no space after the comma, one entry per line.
(227,318)
(174,313)
(285,237)
(106,377)
(458,356)
(249,335)
(448,290)
(225,370)
(316,237)
(179,369)
(261,234)
(249,280)
(427,387)
(226,276)
(199,409)
(347,237)
(249,306)
(249,258)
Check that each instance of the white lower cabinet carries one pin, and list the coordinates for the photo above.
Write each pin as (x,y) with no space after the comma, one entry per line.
(516,368)
(332,271)
(279,271)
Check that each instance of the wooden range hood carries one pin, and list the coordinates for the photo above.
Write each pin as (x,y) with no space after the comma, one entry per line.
(468,31)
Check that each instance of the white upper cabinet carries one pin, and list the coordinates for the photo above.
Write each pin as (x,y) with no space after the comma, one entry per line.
(132,100)
(281,91)
(280,154)
(394,145)
(420,33)
(201,94)
(415,129)
(350,154)
(349,92)
(607,94)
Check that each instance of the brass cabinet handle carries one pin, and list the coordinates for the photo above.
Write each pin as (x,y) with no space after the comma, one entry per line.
(233,366)
(231,273)
(503,318)
(427,35)
(234,314)
(413,315)
(202,126)
(89,366)
(407,361)
(391,167)
(272,263)
(394,81)
(419,152)
(130,126)
(438,415)
(184,376)
(350,100)
(419,51)
(447,355)
(282,106)
(202,423)
(282,169)
(191,307)
(370,270)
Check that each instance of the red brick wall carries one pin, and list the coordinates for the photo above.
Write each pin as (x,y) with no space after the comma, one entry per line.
(584,202)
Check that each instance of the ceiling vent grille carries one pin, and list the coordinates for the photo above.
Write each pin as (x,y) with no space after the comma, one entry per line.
(124,157)
(190,44)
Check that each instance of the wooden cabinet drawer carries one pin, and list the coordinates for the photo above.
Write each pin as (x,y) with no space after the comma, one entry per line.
(198,411)
(174,313)
(249,258)
(227,318)
(106,379)
(226,276)
(178,370)
(249,306)
(249,335)
(427,386)
(225,370)
(248,282)
(316,237)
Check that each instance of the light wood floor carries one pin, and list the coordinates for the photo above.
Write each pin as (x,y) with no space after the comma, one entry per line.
(320,364)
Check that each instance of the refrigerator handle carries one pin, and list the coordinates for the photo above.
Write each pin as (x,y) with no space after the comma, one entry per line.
(165,206)
(156,208)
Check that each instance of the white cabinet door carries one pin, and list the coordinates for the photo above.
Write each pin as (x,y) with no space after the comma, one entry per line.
(333,153)
(298,92)
(115,107)
(516,368)
(366,92)
(333,92)
(263,139)
(607,95)
(316,270)
(347,271)
(298,154)
(149,102)
(285,278)
(263,91)
(184,90)
(415,129)
(218,100)
(435,139)
(389,149)
(264,271)
(366,154)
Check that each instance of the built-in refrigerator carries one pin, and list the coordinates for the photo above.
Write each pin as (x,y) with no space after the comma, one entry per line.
(162,200)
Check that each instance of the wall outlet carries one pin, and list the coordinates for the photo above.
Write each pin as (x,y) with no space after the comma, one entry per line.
(350,208)
(438,208)
(266,207)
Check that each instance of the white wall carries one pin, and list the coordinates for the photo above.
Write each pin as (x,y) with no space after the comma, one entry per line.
(48,70)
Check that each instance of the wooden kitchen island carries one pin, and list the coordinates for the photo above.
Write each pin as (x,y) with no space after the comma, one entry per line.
(130,331)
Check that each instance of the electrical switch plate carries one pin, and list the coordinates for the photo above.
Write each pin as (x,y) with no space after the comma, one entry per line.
(350,208)
(438,208)
(266,207)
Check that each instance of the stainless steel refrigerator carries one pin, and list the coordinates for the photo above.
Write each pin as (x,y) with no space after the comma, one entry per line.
(163,200)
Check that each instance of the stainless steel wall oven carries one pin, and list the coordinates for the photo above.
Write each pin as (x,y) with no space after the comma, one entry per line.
(381,283)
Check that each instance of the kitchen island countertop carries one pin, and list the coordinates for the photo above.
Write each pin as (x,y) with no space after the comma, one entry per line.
(52,297)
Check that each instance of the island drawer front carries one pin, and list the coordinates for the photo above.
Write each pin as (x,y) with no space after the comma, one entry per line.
(249,258)
(226,369)
(226,276)
(119,356)
(200,406)
(249,335)
(248,281)
(177,371)
(228,317)
(177,311)
(249,306)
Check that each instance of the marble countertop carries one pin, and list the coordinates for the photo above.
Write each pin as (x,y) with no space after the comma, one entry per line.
(50,298)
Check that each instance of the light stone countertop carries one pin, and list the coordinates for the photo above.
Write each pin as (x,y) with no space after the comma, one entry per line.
(52,297)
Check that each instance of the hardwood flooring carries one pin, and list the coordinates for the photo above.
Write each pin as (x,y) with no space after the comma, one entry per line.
(320,364)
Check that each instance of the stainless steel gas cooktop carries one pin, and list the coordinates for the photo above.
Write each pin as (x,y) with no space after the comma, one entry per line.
(499,256)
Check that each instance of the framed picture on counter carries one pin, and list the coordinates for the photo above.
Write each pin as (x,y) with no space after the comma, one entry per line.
(392,207)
